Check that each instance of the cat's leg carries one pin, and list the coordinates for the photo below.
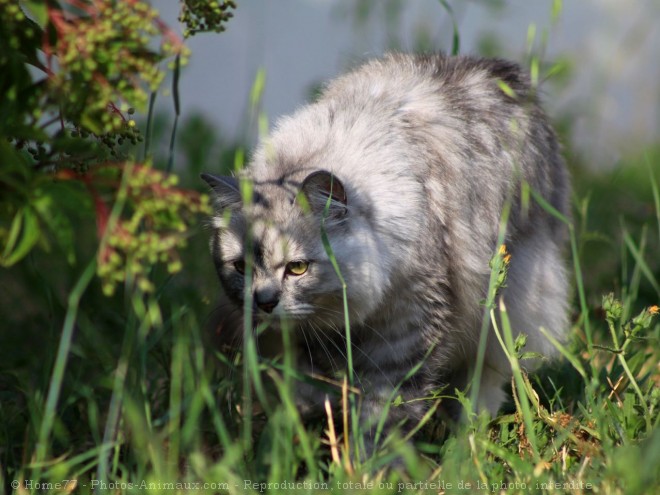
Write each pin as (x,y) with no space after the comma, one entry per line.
(386,410)
(536,294)
(492,393)
(535,297)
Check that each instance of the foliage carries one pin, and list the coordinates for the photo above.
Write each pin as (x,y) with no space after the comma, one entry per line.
(203,15)
(124,391)
(73,75)
(158,222)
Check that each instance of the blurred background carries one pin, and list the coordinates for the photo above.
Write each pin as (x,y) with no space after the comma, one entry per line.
(600,58)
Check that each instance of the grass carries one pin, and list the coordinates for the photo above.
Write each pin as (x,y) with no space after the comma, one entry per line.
(125,393)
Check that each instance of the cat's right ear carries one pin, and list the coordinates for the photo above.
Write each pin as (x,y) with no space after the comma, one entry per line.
(325,194)
(226,189)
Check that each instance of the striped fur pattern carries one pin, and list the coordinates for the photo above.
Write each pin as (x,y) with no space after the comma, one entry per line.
(408,162)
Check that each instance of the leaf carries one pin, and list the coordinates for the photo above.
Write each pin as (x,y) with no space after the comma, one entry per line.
(26,132)
(23,235)
(89,123)
(58,224)
(38,11)
(74,145)
(12,161)
(557,7)
(570,357)
(175,85)
(257,89)
(507,90)
(530,355)
(656,194)
(521,341)
(634,250)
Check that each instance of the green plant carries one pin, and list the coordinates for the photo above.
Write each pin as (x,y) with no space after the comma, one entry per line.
(73,75)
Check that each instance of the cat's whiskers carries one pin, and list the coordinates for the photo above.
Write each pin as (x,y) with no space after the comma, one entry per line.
(363,325)
(320,340)
(309,351)
(340,333)
(366,355)
(336,330)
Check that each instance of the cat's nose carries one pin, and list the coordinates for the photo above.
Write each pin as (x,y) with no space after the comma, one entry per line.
(266,303)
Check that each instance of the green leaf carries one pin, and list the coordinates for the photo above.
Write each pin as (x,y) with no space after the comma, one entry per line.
(74,145)
(89,123)
(26,132)
(23,235)
(557,7)
(646,270)
(507,90)
(257,89)
(38,11)
(521,341)
(530,355)
(11,161)
(58,225)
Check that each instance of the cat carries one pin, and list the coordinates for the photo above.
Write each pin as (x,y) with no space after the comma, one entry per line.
(404,165)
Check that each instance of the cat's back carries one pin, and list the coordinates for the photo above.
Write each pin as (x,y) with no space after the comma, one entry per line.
(397,78)
(413,134)
(456,113)
(466,124)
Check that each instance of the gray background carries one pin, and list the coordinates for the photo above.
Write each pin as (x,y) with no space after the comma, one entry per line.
(613,48)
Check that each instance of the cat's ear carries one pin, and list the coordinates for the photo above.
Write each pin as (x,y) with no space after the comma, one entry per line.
(227,192)
(320,186)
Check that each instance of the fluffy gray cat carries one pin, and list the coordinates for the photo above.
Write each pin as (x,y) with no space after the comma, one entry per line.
(406,164)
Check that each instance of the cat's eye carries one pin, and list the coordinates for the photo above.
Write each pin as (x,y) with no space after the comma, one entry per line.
(296,268)
(240,266)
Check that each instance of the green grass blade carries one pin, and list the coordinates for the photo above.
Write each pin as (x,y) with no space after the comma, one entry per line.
(577,267)
(639,259)
(570,357)
(177,111)
(175,84)
(456,37)
(520,388)
(249,348)
(656,194)
(557,7)
(176,392)
(347,324)
(294,416)
(485,322)
(383,417)
(257,91)
(149,130)
(118,390)
(630,292)
(61,359)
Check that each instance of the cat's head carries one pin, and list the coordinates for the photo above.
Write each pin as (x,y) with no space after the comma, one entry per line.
(289,239)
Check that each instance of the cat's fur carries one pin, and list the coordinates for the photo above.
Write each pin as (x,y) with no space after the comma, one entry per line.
(421,154)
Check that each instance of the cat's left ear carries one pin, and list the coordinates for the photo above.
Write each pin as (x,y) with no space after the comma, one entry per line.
(320,186)
(228,194)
